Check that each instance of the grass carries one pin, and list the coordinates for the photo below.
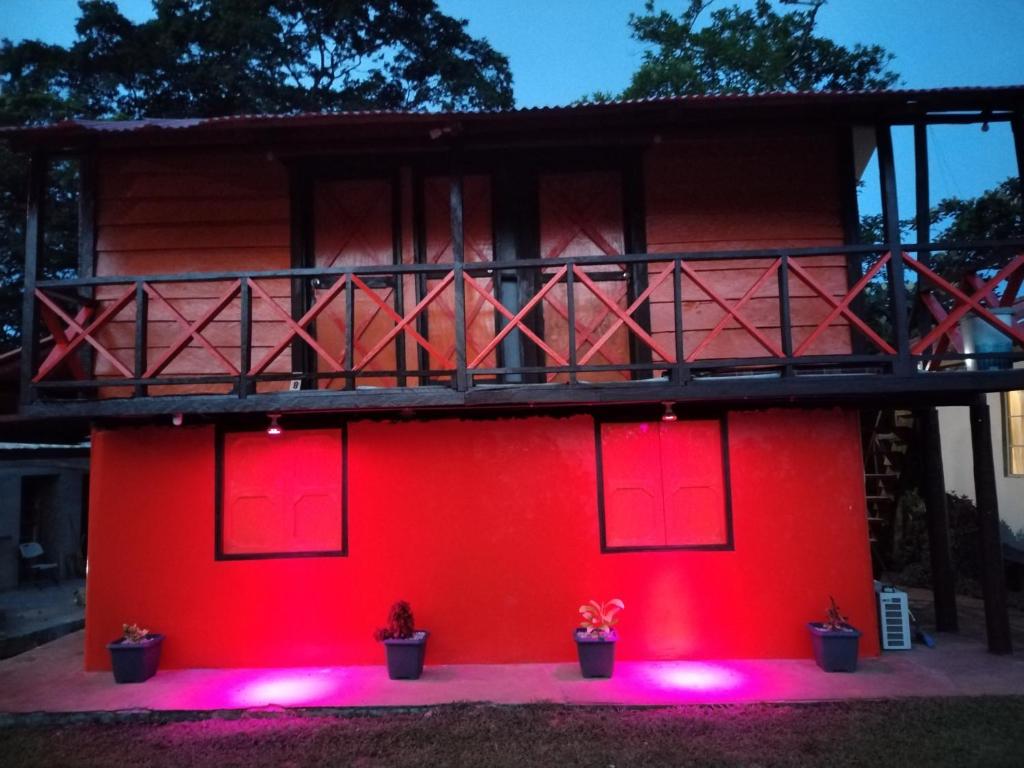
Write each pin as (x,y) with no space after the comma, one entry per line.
(920,732)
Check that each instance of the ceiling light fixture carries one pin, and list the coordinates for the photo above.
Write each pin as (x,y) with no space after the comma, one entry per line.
(669,414)
(274,429)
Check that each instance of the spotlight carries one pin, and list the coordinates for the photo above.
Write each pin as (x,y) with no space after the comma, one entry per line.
(669,414)
(274,429)
(177,419)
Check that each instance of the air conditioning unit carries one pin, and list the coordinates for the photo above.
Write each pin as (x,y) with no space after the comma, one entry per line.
(894,619)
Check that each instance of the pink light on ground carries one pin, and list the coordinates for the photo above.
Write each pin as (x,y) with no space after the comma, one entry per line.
(696,677)
(288,689)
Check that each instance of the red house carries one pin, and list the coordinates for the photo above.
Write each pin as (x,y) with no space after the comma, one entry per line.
(517,360)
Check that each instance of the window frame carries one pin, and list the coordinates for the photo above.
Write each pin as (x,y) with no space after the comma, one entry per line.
(218,531)
(728,545)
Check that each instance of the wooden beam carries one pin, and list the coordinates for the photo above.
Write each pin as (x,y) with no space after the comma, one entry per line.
(300,188)
(891,217)
(934,492)
(634,220)
(459,257)
(849,212)
(87,234)
(38,165)
(1017,124)
(993,579)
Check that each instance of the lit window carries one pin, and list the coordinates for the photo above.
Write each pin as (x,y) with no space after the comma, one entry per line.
(663,485)
(280,495)
(1013,407)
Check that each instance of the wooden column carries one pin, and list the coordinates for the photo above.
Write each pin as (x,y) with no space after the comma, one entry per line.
(458,256)
(849,212)
(87,244)
(891,216)
(634,218)
(300,186)
(33,255)
(934,492)
(993,583)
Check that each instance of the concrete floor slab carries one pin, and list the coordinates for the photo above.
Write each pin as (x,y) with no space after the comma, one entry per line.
(51,679)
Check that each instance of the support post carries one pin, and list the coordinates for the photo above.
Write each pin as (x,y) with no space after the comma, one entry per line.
(850,215)
(303,359)
(33,253)
(897,281)
(934,492)
(87,242)
(1017,125)
(458,256)
(635,231)
(993,583)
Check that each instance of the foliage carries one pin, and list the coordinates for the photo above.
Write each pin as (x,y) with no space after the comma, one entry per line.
(133,633)
(599,618)
(835,621)
(755,50)
(200,58)
(401,625)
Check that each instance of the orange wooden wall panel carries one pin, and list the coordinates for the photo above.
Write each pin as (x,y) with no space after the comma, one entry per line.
(186,211)
(767,191)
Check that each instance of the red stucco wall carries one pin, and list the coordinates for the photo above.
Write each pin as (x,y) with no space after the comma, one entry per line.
(490,529)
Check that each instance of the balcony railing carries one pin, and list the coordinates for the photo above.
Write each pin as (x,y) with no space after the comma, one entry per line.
(731,324)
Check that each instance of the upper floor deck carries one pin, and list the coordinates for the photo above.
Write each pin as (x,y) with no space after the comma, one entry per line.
(593,257)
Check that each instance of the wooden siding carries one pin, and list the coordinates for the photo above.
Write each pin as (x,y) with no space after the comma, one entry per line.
(192,212)
(744,193)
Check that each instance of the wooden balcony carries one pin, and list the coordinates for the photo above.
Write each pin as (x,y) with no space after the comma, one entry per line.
(641,328)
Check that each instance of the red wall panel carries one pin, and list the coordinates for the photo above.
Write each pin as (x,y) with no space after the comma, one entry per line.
(490,529)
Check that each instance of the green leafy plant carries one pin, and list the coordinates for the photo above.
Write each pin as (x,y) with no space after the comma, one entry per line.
(599,618)
(133,633)
(401,624)
(835,621)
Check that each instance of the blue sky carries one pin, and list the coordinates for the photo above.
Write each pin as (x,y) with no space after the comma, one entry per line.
(562,49)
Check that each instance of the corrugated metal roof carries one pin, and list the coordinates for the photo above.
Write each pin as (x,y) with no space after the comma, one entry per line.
(326,119)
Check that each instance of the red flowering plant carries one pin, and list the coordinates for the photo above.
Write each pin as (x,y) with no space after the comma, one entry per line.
(835,621)
(599,618)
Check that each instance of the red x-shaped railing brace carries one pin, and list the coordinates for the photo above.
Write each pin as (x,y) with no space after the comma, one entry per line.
(965,302)
(80,333)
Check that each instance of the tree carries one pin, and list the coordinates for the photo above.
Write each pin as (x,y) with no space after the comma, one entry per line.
(201,58)
(731,50)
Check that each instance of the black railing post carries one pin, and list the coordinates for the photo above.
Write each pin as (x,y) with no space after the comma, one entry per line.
(245,341)
(785,322)
(87,242)
(570,311)
(399,296)
(893,243)
(33,252)
(635,230)
(458,256)
(922,221)
(141,336)
(682,369)
(350,334)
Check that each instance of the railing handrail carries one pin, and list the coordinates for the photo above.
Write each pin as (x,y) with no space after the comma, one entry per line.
(512,264)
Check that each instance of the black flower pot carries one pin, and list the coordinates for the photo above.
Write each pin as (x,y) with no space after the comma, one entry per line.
(135,662)
(597,653)
(835,650)
(405,656)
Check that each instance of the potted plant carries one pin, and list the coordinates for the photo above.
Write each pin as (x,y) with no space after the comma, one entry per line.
(595,637)
(405,645)
(835,641)
(135,655)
